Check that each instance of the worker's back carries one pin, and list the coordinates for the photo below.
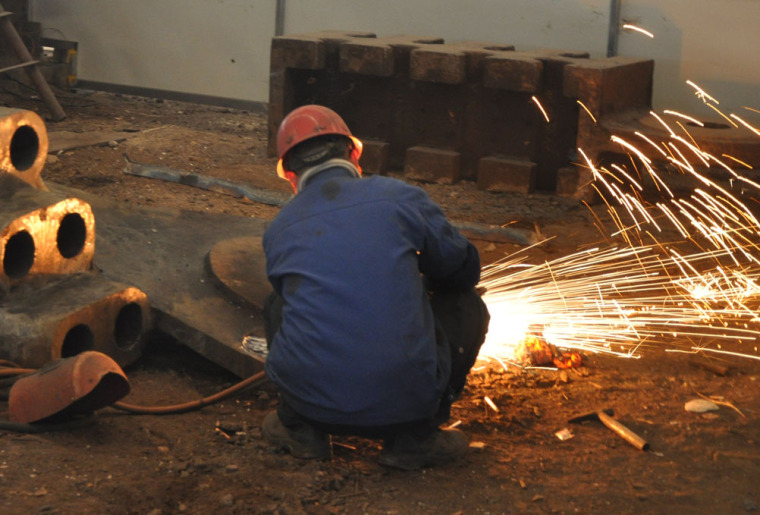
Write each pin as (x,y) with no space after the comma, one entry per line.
(357,343)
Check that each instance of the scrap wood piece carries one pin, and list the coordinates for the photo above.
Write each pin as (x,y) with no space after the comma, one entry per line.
(711,366)
(722,403)
(737,455)
(214,184)
(495,233)
(68,140)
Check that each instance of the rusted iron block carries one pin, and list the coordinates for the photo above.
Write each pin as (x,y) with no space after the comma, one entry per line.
(308,51)
(446,64)
(432,165)
(78,385)
(514,71)
(74,314)
(475,99)
(717,138)
(575,182)
(42,233)
(23,145)
(238,267)
(367,57)
(477,52)
(610,85)
(290,55)
(496,173)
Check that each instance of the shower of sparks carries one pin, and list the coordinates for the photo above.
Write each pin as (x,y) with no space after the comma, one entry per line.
(540,107)
(634,28)
(697,291)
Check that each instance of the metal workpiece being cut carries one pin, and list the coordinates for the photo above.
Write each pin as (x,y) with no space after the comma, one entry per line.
(77,313)
(42,233)
(23,145)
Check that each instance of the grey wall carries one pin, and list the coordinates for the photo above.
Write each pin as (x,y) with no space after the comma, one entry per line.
(220,48)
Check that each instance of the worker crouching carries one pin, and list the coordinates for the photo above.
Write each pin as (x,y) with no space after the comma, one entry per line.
(374,322)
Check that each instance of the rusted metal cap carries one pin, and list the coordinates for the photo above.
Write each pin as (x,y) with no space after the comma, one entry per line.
(71,386)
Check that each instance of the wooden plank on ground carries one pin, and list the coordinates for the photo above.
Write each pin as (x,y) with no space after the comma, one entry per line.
(67,140)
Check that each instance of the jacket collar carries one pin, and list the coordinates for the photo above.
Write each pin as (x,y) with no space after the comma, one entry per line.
(332,163)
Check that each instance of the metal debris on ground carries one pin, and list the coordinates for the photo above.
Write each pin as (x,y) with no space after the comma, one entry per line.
(255,346)
(700,406)
(535,351)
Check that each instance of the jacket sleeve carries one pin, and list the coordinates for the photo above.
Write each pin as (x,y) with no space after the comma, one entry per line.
(447,259)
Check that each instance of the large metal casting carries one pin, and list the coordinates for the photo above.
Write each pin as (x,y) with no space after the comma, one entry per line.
(42,233)
(23,145)
(76,313)
(72,386)
(445,112)
(53,304)
(509,120)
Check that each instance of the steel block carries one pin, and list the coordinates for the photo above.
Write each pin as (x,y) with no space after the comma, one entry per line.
(518,72)
(23,145)
(432,165)
(41,233)
(367,57)
(77,313)
(611,85)
(506,174)
(438,63)
(474,99)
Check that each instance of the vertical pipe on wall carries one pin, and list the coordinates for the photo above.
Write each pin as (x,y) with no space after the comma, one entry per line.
(279,18)
(614,28)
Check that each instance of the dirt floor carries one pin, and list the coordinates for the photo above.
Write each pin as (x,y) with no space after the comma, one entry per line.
(215,460)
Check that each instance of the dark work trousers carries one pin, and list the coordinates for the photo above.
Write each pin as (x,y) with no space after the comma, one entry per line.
(461,325)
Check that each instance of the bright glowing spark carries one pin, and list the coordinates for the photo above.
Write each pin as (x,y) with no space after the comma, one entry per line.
(685,117)
(732,158)
(634,28)
(702,94)
(491,403)
(587,110)
(747,125)
(624,300)
(540,107)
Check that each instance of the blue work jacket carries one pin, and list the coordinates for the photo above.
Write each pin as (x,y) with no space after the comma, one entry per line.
(357,344)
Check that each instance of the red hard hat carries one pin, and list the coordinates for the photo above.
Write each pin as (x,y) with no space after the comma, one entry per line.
(308,122)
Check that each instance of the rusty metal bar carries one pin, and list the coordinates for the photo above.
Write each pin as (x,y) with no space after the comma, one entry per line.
(614,28)
(17,44)
(279,20)
(18,66)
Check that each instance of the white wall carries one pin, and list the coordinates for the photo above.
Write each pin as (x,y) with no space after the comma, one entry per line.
(713,43)
(565,24)
(207,47)
(220,48)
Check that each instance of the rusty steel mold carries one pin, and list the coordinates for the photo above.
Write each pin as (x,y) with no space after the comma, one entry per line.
(41,233)
(467,111)
(23,145)
(80,384)
(74,314)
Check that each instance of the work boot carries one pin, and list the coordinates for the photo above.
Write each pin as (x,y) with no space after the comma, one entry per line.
(304,441)
(406,452)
